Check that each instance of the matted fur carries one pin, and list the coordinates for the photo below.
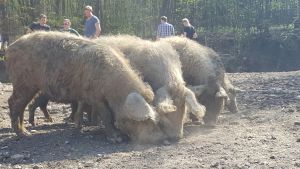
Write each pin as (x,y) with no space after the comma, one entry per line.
(68,68)
(160,66)
(201,65)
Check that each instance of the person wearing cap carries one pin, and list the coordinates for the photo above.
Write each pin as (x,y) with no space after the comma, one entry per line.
(188,30)
(92,28)
(67,27)
(164,28)
(40,25)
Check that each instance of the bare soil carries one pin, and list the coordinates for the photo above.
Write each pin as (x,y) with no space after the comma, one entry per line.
(264,134)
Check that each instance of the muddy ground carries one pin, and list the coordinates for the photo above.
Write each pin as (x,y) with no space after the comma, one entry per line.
(264,134)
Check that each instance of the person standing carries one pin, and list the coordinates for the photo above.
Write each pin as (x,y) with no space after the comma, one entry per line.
(40,25)
(188,30)
(92,28)
(4,41)
(67,27)
(164,28)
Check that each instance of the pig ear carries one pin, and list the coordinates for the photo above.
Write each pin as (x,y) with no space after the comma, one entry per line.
(198,90)
(163,102)
(138,109)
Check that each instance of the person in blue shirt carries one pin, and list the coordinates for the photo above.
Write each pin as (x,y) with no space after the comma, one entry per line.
(92,28)
(164,28)
(67,27)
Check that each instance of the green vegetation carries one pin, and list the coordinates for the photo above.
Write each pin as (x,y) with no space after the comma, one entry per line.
(141,17)
(229,26)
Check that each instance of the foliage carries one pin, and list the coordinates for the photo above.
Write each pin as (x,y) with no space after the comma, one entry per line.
(233,20)
(141,17)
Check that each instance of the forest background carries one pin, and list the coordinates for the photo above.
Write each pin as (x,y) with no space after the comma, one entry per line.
(249,35)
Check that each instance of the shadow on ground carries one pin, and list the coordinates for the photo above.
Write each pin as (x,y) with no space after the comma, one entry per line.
(61,141)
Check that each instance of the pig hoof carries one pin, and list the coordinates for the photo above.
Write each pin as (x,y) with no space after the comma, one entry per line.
(23,134)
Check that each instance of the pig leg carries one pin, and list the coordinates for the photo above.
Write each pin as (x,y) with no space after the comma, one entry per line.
(78,117)
(231,104)
(89,115)
(214,107)
(19,99)
(71,118)
(31,108)
(193,105)
(43,107)
(113,135)
(40,101)
(94,119)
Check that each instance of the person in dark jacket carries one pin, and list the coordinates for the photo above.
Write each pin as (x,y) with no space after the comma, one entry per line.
(188,30)
(40,25)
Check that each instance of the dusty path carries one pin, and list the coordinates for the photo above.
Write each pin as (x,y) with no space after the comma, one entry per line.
(265,134)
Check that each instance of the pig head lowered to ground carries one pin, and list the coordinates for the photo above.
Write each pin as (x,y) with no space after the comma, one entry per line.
(202,67)
(160,66)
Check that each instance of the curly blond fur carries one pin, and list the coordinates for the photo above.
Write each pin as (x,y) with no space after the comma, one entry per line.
(68,68)
(160,66)
(201,65)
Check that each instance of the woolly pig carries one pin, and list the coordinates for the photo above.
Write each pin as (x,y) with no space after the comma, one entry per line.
(202,66)
(69,68)
(160,66)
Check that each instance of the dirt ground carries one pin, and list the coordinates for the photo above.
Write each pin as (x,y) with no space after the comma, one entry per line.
(264,134)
